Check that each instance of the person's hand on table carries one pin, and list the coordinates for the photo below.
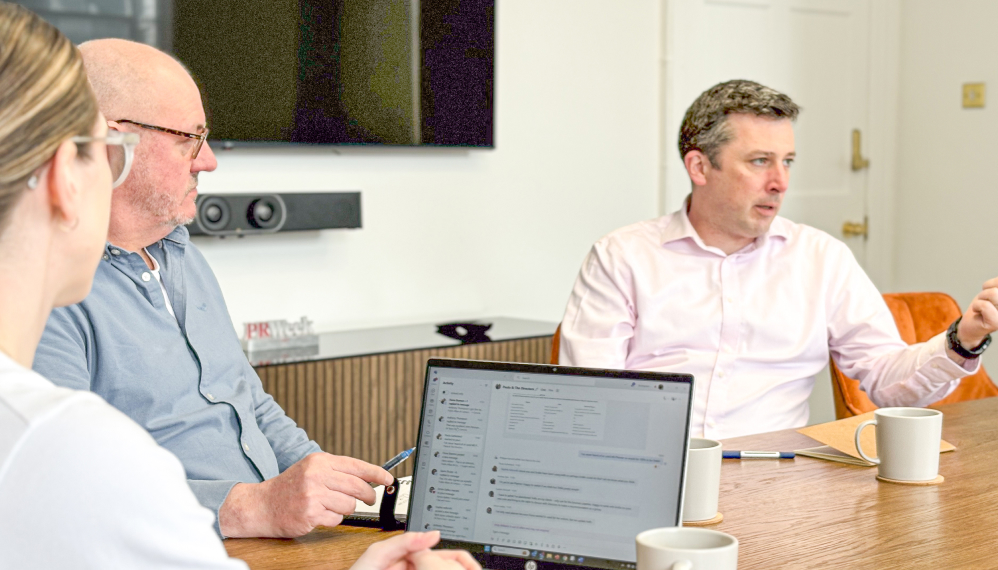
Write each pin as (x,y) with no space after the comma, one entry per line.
(980,319)
(319,490)
(411,551)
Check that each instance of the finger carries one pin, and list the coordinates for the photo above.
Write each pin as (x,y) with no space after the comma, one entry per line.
(357,468)
(462,557)
(388,552)
(991,283)
(988,314)
(328,518)
(989,294)
(432,560)
(444,560)
(337,502)
(348,485)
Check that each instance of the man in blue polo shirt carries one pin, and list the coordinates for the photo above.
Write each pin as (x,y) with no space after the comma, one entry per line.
(154,337)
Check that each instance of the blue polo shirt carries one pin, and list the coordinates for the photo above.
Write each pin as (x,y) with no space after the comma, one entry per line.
(184,379)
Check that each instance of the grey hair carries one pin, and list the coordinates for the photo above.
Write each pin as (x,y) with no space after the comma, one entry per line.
(705,124)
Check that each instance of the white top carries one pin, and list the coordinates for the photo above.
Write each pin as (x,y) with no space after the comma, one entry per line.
(753,327)
(159,279)
(82,486)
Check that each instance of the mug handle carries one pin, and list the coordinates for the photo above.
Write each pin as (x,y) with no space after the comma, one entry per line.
(859,447)
(681,565)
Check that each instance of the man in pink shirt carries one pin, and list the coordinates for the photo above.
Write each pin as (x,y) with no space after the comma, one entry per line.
(750,303)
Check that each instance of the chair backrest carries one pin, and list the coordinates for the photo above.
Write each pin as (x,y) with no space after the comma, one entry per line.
(555,344)
(919,317)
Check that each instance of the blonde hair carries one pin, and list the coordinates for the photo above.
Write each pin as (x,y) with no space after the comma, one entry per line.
(44,99)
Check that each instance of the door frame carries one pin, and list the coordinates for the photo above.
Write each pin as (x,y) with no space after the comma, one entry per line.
(880,143)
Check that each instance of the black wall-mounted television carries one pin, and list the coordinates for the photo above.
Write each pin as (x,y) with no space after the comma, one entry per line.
(390,72)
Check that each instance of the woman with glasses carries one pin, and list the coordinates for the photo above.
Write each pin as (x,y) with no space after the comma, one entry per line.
(81,485)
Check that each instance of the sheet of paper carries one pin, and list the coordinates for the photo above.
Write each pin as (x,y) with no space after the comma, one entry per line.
(840,435)
(829,453)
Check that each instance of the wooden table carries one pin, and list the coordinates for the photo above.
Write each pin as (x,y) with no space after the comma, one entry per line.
(801,513)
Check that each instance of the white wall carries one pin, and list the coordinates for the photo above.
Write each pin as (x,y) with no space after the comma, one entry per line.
(947,198)
(468,233)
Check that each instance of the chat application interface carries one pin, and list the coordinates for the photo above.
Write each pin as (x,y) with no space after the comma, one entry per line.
(539,464)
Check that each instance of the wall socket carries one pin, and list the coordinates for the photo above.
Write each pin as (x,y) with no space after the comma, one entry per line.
(973,95)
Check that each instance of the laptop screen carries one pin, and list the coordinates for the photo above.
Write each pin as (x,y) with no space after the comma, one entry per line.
(551,464)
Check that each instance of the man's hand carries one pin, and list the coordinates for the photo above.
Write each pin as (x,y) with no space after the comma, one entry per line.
(411,551)
(319,490)
(980,320)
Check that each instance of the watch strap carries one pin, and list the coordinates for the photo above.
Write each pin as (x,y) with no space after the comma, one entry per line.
(953,342)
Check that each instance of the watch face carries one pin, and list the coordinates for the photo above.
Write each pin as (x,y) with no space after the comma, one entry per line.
(984,344)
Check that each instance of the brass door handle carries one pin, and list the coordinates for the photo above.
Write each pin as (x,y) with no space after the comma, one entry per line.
(853,229)
(858,162)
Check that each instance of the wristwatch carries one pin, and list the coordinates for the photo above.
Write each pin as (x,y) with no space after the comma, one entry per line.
(954,343)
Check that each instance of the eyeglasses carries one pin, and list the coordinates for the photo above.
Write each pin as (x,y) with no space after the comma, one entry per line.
(200,136)
(120,152)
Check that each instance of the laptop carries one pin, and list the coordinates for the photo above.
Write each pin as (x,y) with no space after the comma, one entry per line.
(549,467)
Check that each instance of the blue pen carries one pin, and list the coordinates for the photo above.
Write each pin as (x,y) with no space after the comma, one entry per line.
(394,461)
(758,454)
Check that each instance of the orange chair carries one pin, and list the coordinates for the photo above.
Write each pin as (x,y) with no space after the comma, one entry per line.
(555,344)
(919,317)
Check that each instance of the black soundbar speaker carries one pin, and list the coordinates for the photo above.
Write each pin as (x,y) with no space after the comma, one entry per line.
(248,214)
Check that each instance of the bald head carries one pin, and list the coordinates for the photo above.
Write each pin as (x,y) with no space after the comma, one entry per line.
(145,91)
(133,80)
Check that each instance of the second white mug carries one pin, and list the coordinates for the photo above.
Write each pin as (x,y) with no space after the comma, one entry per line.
(907,443)
(703,480)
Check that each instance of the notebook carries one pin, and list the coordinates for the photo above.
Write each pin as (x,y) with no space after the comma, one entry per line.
(839,438)
(536,466)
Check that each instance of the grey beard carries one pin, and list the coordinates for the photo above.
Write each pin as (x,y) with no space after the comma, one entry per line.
(183,220)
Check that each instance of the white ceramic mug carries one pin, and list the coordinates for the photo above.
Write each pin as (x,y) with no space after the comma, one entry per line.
(907,443)
(703,480)
(683,548)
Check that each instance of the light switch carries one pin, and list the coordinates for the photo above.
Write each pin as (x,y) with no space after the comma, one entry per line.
(973,95)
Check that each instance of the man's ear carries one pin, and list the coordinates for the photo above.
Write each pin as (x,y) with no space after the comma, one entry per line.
(697,166)
(64,184)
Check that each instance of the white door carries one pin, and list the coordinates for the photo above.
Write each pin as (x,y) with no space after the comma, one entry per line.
(816,51)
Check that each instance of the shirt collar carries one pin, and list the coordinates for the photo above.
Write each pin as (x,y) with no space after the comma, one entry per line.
(679,227)
(180,236)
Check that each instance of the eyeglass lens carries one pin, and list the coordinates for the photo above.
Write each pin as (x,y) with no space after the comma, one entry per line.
(197,146)
(116,158)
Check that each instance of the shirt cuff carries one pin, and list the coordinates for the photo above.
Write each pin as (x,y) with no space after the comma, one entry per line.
(211,495)
(945,364)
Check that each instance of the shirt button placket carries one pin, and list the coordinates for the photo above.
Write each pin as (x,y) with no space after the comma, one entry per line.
(727,346)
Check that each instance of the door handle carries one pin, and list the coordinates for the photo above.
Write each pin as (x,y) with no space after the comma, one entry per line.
(853,229)
(858,162)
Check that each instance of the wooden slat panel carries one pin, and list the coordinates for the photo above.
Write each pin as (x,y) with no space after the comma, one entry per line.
(368,406)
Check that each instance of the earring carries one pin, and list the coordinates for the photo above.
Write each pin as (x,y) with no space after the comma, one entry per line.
(71,227)
(33,182)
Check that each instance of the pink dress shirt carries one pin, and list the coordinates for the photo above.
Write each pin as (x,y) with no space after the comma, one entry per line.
(753,327)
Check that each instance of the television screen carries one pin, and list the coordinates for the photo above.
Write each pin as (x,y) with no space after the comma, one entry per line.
(396,72)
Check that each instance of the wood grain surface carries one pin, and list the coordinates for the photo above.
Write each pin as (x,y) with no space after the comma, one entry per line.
(809,513)
(324,548)
(801,513)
